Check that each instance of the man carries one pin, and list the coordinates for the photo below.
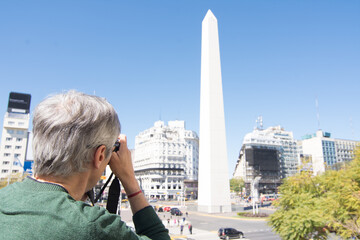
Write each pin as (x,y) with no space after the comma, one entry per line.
(73,138)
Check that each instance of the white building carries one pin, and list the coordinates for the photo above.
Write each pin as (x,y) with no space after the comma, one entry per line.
(164,157)
(326,151)
(289,160)
(270,153)
(274,138)
(14,139)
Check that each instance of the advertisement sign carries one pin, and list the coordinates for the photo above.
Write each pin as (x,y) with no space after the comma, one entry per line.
(19,102)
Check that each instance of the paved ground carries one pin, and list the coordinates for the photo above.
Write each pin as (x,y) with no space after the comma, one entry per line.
(205,225)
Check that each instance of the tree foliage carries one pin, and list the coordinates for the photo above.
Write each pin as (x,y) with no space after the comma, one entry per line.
(236,184)
(15,177)
(311,207)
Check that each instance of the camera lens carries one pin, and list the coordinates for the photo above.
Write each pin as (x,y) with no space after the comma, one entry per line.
(116,146)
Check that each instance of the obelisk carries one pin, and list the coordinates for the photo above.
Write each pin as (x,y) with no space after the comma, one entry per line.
(214,186)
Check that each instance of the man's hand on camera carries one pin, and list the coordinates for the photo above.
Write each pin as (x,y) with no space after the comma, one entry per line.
(121,166)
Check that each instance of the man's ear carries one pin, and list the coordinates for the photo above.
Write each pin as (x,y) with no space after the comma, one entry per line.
(99,156)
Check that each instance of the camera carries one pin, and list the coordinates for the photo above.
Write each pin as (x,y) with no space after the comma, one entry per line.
(116,146)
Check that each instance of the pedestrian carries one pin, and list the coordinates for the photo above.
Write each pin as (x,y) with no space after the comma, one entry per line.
(190,227)
(181,228)
(187,214)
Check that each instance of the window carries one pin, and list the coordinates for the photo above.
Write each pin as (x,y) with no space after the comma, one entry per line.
(6,154)
(4,171)
(17,147)
(6,162)
(7,146)
(8,139)
(10,131)
(18,139)
(17,155)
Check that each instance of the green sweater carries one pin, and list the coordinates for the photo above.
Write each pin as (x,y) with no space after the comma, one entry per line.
(37,210)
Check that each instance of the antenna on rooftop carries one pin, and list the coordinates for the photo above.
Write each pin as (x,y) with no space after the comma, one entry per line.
(259,122)
(317,112)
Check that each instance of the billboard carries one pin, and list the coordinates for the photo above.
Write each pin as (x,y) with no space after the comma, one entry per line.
(264,163)
(19,102)
(28,167)
(263,160)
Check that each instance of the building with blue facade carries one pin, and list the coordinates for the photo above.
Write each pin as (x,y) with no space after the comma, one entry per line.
(326,152)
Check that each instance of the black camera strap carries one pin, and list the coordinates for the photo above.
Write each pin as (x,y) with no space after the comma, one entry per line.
(90,193)
(113,196)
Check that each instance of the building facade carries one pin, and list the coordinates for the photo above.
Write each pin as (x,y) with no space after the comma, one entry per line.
(14,138)
(164,157)
(326,152)
(270,154)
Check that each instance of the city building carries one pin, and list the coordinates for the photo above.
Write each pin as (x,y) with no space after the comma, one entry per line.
(326,152)
(165,157)
(14,138)
(270,154)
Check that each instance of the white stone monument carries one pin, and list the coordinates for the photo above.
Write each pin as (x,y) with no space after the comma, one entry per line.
(214,186)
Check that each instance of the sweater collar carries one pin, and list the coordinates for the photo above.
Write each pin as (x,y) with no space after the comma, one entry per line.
(42,186)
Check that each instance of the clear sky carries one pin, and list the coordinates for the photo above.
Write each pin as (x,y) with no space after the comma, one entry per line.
(144,56)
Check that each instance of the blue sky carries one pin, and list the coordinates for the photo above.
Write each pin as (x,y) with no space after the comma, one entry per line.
(144,56)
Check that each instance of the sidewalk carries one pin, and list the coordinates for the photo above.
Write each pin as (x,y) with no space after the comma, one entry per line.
(197,234)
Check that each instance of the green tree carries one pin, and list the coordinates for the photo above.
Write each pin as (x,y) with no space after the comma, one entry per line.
(310,207)
(236,184)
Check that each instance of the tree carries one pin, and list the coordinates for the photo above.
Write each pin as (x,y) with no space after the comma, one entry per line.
(237,184)
(314,206)
(15,177)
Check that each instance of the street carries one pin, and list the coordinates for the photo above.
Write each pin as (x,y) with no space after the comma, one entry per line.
(205,226)
(252,228)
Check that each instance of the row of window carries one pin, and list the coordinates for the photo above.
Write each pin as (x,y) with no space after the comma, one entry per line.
(9,147)
(15,155)
(163,187)
(11,123)
(169,180)
(6,171)
(8,139)
(11,131)
(157,144)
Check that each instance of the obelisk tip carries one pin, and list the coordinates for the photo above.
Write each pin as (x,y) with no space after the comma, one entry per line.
(209,15)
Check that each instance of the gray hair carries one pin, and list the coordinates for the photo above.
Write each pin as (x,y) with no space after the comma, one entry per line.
(67,129)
